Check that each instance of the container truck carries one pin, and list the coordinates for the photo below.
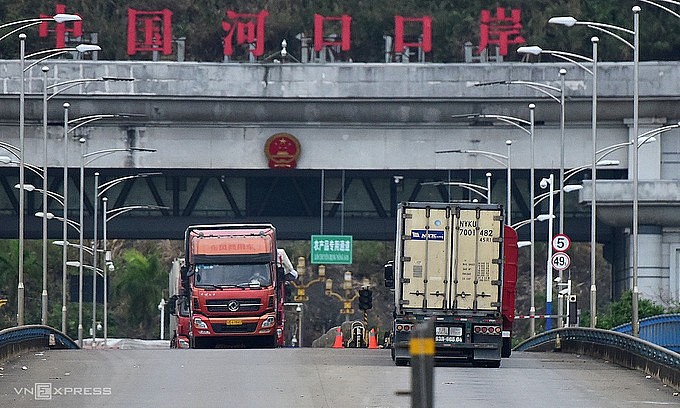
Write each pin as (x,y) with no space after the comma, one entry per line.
(233,281)
(449,267)
(178,307)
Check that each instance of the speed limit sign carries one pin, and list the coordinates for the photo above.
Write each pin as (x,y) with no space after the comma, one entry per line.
(561,243)
(560,261)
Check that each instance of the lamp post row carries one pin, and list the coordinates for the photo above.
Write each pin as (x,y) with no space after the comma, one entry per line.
(59,18)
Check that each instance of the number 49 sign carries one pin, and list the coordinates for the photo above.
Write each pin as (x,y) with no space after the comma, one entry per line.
(560,261)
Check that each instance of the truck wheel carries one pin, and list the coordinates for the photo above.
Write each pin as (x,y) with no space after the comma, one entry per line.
(401,362)
(201,343)
(487,363)
(493,363)
(506,349)
(269,341)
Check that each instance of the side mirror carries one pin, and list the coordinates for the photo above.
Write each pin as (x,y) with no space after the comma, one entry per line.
(172,305)
(389,274)
(184,277)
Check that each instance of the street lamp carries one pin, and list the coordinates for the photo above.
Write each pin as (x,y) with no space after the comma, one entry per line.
(540,217)
(522,124)
(35,169)
(51,216)
(58,88)
(607,28)
(503,160)
(59,18)
(23,24)
(570,57)
(547,90)
(98,191)
(108,215)
(545,183)
(475,188)
(91,156)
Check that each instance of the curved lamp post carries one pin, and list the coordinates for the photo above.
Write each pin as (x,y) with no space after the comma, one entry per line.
(86,158)
(503,160)
(635,32)
(99,190)
(526,126)
(22,24)
(108,215)
(571,57)
(485,192)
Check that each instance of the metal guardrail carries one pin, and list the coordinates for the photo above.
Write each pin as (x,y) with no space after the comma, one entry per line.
(663,330)
(619,348)
(16,340)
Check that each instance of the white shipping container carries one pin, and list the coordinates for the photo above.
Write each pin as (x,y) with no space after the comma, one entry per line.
(450,256)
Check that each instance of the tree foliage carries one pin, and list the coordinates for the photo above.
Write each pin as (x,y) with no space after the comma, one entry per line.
(620,311)
(139,285)
(454,23)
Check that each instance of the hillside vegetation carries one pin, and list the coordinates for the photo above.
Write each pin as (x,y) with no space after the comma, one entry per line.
(453,24)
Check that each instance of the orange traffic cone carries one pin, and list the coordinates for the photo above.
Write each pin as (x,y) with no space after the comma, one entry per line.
(372,341)
(338,339)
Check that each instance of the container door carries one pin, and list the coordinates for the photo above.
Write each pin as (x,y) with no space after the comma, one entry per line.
(425,259)
(476,268)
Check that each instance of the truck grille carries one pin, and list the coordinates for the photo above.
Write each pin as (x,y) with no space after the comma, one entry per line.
(228,305)
(243,328)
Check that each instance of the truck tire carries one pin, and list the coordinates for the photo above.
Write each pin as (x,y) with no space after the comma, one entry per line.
(487,363)
(202,343)
(401,362)
(506,349)
(269,341)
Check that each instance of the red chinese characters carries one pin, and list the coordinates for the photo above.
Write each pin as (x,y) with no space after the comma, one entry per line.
(500,30)
(249,30)
(399,40)
(149,31)
(61,29)
(321,40)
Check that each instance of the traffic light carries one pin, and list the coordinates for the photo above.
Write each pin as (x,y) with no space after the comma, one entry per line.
(365,299)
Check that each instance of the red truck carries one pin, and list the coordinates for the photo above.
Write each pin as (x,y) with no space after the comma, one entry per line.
(232,284)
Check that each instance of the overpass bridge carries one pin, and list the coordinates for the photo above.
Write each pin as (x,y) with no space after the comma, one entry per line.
(367,137)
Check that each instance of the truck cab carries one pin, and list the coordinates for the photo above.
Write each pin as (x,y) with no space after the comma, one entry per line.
(236,286)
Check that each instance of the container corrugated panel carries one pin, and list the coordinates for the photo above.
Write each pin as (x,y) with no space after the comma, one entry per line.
(450,256)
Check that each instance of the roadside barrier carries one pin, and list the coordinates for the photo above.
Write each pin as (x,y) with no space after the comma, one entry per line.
(20,339)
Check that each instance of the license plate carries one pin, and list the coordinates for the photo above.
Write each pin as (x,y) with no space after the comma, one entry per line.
(234,322)
(448,339)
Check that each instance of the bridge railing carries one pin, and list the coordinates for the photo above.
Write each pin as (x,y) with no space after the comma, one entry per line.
(663,330)
(20,339)
(619,348)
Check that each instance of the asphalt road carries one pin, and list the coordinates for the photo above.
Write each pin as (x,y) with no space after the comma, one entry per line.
(314,378)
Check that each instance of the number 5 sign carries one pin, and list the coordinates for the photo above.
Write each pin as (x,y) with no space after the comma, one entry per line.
(560,261)
(561,243)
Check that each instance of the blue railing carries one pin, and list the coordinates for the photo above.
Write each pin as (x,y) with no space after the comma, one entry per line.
(619,348)
(662,330)
(16,340)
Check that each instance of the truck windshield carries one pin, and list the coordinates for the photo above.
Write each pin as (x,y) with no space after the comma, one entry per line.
(232,275)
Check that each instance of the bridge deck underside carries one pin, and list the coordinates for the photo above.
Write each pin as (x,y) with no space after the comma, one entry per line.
(290,199)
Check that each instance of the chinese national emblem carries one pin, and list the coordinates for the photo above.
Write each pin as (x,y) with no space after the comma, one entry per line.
(282,150)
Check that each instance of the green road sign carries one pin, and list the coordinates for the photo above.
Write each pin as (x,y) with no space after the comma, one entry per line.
(332,249)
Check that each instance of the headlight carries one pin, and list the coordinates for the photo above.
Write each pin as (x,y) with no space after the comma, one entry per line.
(199,324)
(269,322)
